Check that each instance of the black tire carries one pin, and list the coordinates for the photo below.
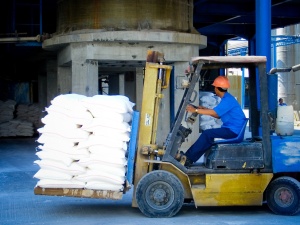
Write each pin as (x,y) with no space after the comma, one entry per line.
(283,196)
(159,194)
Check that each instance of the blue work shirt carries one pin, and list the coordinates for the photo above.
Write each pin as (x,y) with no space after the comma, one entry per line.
(231,113)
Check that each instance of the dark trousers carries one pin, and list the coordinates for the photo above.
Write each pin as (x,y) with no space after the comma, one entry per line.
(206,140)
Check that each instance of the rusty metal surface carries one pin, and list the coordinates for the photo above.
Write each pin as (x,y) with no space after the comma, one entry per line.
(172,15)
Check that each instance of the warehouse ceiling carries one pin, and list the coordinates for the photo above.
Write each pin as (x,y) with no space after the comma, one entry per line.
(219,20)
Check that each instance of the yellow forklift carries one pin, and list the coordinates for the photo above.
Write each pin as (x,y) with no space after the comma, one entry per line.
(234,173)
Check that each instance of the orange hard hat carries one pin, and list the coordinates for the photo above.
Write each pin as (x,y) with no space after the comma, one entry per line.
(222,82)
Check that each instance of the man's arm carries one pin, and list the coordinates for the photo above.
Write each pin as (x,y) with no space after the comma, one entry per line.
(202,110)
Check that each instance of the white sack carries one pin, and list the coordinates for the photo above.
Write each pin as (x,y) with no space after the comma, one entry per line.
(208,122)
(73,169)
(117,171)
(94,185)
(210,100)
(117,103)
(109,132)
(71,152)
(53,175)
(206,117)
(101,140)
(55,139)
(114,162)
(98,123)
(205,127)
(56,120)
(49,183)
(100,176)
(59,137)
(112,154)
(70,102)
(78,115)
(98,151)
(65,132)
(55,156)
(110,115)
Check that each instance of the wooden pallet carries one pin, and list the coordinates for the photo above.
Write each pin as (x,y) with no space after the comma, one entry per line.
(75,192)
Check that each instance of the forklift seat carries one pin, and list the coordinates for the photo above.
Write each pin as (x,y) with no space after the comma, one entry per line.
(237,139)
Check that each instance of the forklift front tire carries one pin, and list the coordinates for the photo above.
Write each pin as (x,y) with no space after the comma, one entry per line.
(283,196)
(159,194)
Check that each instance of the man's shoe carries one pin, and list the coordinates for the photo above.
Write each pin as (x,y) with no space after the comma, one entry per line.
(188,162)
(181,157)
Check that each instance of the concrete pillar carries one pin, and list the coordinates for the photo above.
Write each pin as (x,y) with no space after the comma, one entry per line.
(85,77)
(296,101)
(42,92)
(113,84)
(130,85)
(286,80)
(179,68)
(64,80)
(42,86)
(122,84)
(290,85)
(51,80)
(139,77)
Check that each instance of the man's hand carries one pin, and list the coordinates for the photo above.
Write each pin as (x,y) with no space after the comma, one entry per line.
(192,108)
(201,110)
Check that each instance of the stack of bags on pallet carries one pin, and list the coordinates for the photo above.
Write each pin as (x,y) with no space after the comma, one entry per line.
(7,109)
(10,127)
(30,113)
(209,100)
(14,128)
(84,142)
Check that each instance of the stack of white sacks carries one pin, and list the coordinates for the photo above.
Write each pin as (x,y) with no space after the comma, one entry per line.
(30,113)
(7,109)
(14,127)
(209,100)
(84,142)
(10,127)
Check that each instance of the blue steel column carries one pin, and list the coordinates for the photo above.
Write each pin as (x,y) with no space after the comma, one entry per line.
(263,35)
(263,30)
(263,46)
(222,52)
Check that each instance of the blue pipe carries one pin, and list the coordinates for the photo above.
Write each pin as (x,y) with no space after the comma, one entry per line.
(263,45)
(243,89)
(132,146)
(263,30)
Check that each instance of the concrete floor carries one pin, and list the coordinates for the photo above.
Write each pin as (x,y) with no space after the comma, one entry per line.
(19,205)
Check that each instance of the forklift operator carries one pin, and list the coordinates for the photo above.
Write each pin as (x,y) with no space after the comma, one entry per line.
(228,110)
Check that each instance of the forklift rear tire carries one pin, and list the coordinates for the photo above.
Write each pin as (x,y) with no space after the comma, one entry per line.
(159,194)
(283,196)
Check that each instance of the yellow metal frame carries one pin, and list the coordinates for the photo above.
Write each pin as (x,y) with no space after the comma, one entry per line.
(221,189)
(231,189)
(152,95)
